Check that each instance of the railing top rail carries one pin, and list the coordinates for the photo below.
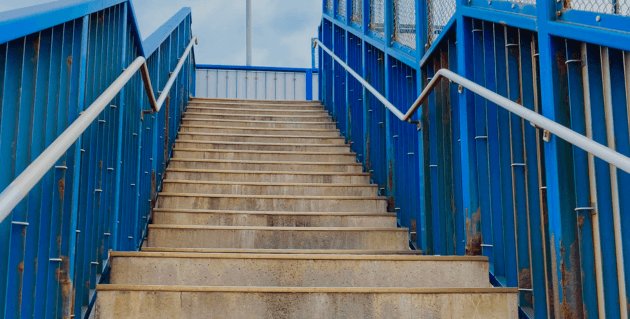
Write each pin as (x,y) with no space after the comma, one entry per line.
(607,154)
(22,185)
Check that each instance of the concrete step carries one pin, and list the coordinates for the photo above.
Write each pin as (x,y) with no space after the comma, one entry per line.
(267,177)
(258,117)
(255,138)
(262,147)
(283,251)
(253,110)
(343,157)
(226,129)
(273,104)
(258,124)
(266,166)
(157,302)
(249,188)
(277,237)
(163,216)
(274,203)
(143,268)
(254,101)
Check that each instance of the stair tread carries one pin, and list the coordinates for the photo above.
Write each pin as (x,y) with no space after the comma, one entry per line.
(261,115)
(261,135)
(260,162)
(263,152)
(306,289)
(179,140)
(263,172)
(301,256)
(251,121)
(273,196)
(254,109)
(261,128)
(210,211)
(264,228)
(281,251)
(267,183)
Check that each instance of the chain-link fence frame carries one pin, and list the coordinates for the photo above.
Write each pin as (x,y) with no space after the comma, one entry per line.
(615,7)
(342,8)
(377,16)
(405,22)
(439,13)
(357,11)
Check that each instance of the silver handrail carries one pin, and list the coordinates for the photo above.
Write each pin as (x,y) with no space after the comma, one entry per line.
(605,153)
(19,188)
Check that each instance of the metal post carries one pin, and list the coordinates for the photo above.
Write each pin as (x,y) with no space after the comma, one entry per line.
(249,32)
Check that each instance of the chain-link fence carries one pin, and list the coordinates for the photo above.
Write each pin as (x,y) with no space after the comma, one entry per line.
(440,12)
(329,5)
(520,1)
(341,8)
(618,7)
(357,11)
(377,16)
(405,22)
(315,56)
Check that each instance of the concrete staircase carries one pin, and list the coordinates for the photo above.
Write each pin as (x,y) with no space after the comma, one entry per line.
(264,213)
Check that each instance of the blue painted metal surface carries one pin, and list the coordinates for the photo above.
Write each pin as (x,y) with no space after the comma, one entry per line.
(55,60)
(552,219)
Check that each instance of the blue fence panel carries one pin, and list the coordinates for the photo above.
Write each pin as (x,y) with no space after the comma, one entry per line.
(55,60)
(549,216)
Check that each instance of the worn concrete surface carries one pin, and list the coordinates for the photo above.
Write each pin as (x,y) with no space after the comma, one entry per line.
(267,177)
(250,188)
(260,138)
(307,303)
(265,166)
(262,146)
(226,129)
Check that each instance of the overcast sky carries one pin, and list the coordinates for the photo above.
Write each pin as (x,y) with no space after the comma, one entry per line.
(282,29)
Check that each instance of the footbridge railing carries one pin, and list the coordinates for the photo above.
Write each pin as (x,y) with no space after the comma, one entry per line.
(522,185)
(84,143)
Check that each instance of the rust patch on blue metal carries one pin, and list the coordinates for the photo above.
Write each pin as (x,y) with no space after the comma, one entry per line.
(473,237)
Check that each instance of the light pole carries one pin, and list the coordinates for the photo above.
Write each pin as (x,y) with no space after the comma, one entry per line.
(249,32)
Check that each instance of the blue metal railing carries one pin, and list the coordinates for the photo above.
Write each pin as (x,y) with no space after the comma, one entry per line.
(473,178)
(55,61)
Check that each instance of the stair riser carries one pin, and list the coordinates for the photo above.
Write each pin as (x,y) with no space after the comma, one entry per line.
(261,147)
(301,107)
(238,189)
(267,272)
(256,117)
(273,167)
(274,204)
(267,177)
(225,129)
(252,156)
(271,220)
(113,305)
(240,111)
(250,124)
(276,102)
(278,239)
(183,136)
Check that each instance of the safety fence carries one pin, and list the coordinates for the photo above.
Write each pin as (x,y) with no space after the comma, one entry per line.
(56,60)
(468,177)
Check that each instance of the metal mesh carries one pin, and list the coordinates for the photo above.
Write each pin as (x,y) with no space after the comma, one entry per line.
(520,1)
(341,8)
(329,5)
(377,16)
(357,11)
(440,12)
(405,22)
(618,7)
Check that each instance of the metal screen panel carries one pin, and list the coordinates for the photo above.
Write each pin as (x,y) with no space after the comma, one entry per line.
(405,22)
(440,12)
(617,7)
(377,16)
(357,11)
(341,8)
(329,5)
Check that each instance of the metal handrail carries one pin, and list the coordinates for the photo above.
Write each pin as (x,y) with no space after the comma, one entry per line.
(605,153)
(22,185)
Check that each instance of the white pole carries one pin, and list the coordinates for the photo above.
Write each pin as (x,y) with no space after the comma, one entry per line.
(249,32)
